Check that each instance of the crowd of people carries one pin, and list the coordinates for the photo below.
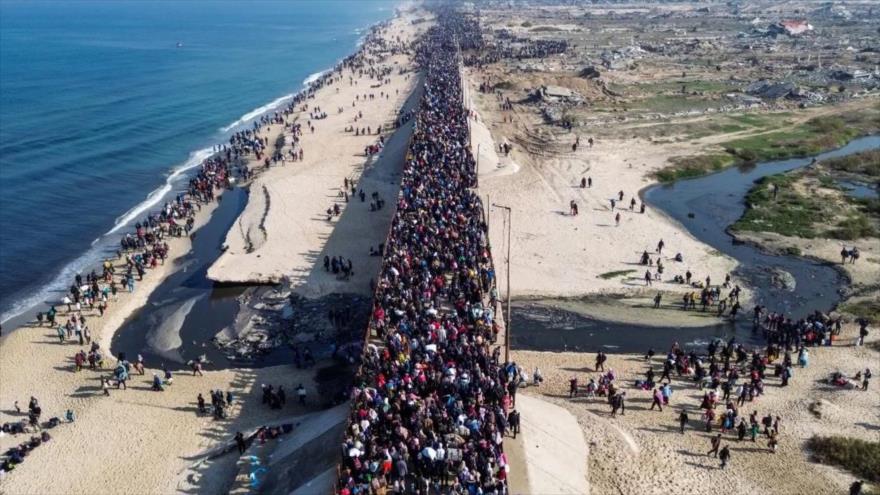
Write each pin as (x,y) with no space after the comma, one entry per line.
(509,46)
(428,411)
(732,379)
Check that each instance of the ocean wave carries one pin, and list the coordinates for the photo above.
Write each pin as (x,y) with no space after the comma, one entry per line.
(272,105)
(195,159)
(59,283)
(104,246)
(314,77)
(257,112)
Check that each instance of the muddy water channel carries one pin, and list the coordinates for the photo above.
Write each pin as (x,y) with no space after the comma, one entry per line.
(706,207)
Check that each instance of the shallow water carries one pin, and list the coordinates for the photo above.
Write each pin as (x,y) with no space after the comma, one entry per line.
(859,190)
(706,207)
(185,311)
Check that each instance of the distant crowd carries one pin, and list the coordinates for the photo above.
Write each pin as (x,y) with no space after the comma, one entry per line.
(429,409)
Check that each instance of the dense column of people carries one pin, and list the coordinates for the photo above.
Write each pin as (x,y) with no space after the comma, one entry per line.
(428,411)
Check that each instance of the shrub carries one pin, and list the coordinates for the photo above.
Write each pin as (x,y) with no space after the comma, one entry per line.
(857,456)
(854,227)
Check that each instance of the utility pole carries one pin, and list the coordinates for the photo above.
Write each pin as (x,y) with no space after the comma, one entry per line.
(507,311)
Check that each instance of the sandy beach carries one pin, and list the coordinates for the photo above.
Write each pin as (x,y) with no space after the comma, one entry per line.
(433,390)
(643,452)
(140,441)
(560,255)
(284,232)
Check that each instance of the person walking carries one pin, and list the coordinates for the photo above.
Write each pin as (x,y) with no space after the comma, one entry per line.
(682,421)
(863,331)
(716,444)
(240,443)
(657,400)
(513,422)
(301,393)
(724,455)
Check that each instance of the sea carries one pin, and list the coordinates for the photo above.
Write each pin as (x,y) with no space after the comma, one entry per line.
(107,107)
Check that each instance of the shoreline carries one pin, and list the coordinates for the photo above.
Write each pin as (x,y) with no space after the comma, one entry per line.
(145,447)
(13,318)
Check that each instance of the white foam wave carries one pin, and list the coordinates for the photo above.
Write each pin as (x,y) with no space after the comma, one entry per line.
(314,77)
(277,102)
(101,247)
(195,159)
(67,273)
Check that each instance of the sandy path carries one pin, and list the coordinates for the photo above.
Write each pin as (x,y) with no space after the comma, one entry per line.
(288,203)
(556,254)
(555,451)
(643,452)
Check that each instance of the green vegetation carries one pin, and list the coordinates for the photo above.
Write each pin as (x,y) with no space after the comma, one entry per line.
(761,119)
(793,212)
(814,136)
(789,213)
(674,86)
(545,29)
(856,226)
(505,85)
(672,103)
(792,251)
(781,139)
(619,273)
(857,456)
(864,163)
(866,308)
(684,167)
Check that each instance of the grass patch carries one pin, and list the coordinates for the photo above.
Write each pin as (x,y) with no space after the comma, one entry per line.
(546,29)
(867,308)
(857,456)
(814,136)
(783,141)
(855,226)
(684,167)
(789,213)
(619,273)
(796,213)
(761,119)
(672,103)
(863,163)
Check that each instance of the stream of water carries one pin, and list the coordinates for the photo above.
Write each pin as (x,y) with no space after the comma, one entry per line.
(705,206)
